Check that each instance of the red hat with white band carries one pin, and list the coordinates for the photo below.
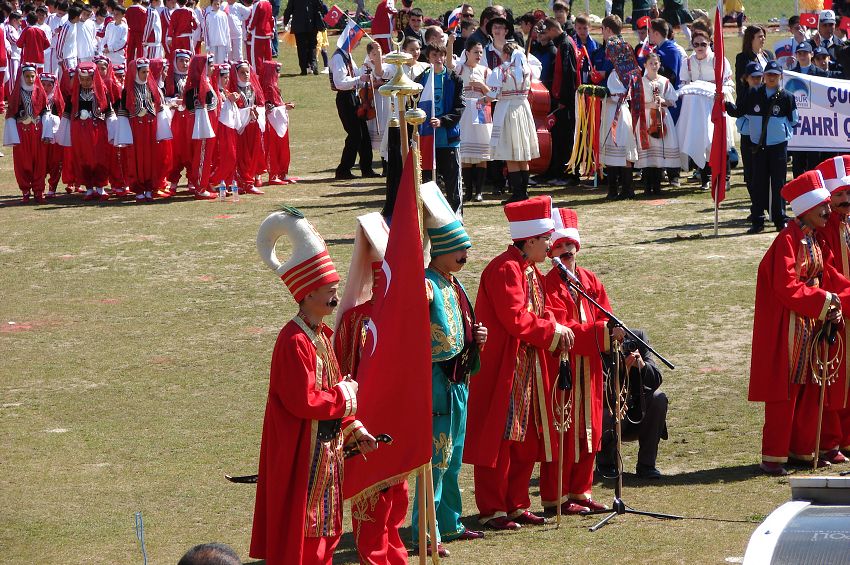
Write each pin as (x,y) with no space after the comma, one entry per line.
(310,266)
(836,173)
(805,192)
(530,218)
(566,226)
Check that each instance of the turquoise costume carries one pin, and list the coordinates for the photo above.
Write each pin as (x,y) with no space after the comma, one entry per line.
(454,357)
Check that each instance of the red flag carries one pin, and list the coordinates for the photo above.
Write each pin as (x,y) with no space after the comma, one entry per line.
(809,21)
(719,150)
(844,24)
(395,368)
(333,16)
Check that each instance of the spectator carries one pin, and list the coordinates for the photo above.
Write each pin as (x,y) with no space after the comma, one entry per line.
(414,27)
(786,49)
(210,554)
(752,50)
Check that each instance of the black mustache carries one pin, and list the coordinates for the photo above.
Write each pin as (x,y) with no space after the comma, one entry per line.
(461,261)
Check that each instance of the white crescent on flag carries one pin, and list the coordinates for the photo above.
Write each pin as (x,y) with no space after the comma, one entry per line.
(373,329)
(385,267)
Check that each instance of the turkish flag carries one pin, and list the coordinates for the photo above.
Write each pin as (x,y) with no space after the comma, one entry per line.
(394,375)
(718,158)
(809,20)
(844,24)
(333,16)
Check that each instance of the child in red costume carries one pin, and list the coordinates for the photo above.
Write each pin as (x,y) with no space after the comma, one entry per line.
(27,105)
(181,131)
(277,125)
(56,106)
(246,93)
(202,102)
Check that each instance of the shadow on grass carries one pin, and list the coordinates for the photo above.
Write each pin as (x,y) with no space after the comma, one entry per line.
(734,474)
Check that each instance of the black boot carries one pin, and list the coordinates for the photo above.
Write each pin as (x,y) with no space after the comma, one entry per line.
(468,179)
(479,174)
(613,174)
(526,176)
(649,180)
(518,193)
(627,190)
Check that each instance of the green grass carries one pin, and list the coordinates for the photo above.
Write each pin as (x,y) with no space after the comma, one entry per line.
(145,333)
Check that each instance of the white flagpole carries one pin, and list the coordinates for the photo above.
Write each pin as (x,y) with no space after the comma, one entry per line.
(434,140)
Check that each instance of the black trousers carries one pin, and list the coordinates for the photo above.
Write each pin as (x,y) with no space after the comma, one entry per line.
(767,179)
(802,161)
(618,8)
(305,44)
(356,134)
(648,433)
(448,167)
(563,137)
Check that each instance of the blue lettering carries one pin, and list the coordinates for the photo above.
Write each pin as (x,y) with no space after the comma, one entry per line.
(830,95)
(805,126)
(827,127)
(847,127)
(817,126)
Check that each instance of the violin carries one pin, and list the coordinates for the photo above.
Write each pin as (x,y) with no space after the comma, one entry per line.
(656,128)
(366,108)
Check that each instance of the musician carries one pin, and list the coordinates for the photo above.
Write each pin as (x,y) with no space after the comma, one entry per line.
(507,432)
(565,81)
(645,419)
(798,288)
(662,150)
(592,337)
(310,410)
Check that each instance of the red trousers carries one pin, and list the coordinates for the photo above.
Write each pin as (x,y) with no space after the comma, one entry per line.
(835,432)
(224,167)
(117,179)
(790,426)
(55,153)
(203,153)
(69,167)
(181,43)
(278,152)
(142,158)
(503,490)
(259,50)
(89,151)
(181,145)
(318,551)
(376,522)
(250,155)
(577,476)
(30,158)
(135,49)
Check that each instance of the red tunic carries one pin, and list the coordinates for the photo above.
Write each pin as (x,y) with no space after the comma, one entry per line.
(382,26)
(180,28)
(137,19)
(783,300)
(591,338)
(836,237)
(299,489)
(33,42)
(502,307)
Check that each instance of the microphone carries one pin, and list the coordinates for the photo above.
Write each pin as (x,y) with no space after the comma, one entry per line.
(566,274)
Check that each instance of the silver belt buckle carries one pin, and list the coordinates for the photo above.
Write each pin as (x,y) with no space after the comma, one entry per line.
(85,115)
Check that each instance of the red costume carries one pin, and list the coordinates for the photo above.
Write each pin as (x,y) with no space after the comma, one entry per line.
(383,25)
(202,103)
(89,142)
(4,71)
(791,304)
(259,29)
(277,147)
(250,152)
(509,423)
(309,417)
(142,103)
(33,43)
(137,21)
(56,104)
(113,92)
(29,154)
(180,28)
(181,123)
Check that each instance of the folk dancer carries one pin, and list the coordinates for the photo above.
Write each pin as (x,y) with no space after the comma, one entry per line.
(310,410)
(259,28)
(180,27)
(276,139)
(202,101)
(797,290)
(56,106)
(247,95)
(33,43)
(23,131)
(509,423)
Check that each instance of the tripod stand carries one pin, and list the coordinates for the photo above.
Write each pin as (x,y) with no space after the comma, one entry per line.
(618,507)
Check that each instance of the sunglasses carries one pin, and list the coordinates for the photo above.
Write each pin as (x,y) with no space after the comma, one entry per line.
(700,44)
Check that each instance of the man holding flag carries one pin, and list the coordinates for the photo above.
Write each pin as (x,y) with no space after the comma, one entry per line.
(345,80)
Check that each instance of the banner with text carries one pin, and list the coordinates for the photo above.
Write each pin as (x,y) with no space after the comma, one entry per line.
(823,105)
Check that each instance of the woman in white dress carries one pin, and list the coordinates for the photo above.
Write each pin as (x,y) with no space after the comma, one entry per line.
(475,126)
(618,149)
(697,89)
(662,151)
(514,138)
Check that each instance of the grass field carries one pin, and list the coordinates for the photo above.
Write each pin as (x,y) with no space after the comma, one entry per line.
(136,341)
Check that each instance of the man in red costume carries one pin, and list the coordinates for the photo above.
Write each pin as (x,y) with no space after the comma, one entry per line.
(33,43)
(797,290)
(583,434)
(137,20)
(509,424)
(87,109)
(835,434)
(181,26)
(259,28)
(310,410)
(27,105)
(383,24)
(377,515)
(246,93)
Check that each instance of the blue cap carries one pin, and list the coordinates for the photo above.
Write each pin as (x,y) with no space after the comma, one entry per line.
(772,68)
(804,46)
(753,69)
(821,52)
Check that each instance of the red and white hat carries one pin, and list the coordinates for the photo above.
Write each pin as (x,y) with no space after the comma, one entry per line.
(367,258)
(310,266)
(566,226)
(805,192)
(836,173)
(530,218)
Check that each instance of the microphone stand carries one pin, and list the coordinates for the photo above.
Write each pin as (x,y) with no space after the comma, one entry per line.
(618,507)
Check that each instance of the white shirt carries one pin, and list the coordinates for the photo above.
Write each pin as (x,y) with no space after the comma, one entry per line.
(238,15)
(217,28)
(12,36)
(67,50)
(339,70)
(115,39)
(86,39)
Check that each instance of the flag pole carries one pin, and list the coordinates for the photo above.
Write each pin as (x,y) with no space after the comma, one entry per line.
(423,523)
(434,139)
(358,25)
(432,513)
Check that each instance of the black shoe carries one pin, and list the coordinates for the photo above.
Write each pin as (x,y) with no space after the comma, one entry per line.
(572,180)
(343,175)
(314,70)
(514,198)
(647,472)
(607,471)
(303,72)
(369,174)
(756,228)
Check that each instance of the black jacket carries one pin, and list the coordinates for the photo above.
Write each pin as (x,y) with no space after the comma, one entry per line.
(306,15)
(741,60)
